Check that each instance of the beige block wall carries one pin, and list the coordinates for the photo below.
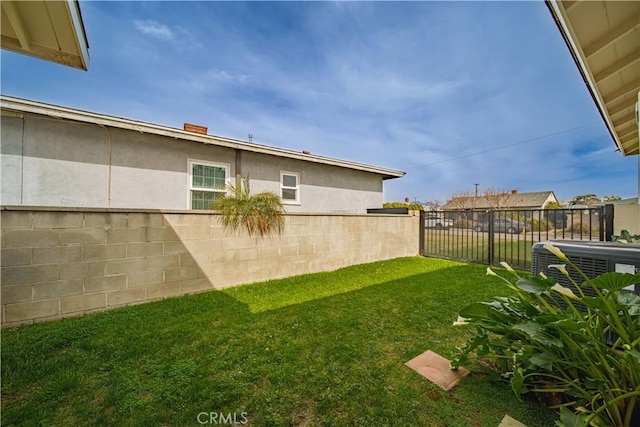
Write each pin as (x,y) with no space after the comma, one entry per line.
(626,217)
(60,263)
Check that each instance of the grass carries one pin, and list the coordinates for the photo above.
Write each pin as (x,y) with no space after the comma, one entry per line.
(321,349)
(515,249)
(471,246)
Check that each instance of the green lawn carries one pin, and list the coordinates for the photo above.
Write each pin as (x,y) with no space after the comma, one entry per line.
(322,349)
(471,246)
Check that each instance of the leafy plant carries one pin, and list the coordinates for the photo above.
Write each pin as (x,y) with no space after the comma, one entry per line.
(259,214)
(626,237)
(554,205)
(585,199)
(546,339)
(582,228)
(539,224)
(410,206)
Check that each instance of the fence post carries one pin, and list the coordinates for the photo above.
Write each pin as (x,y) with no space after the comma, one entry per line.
(421,232)
(608,223)
(490,219)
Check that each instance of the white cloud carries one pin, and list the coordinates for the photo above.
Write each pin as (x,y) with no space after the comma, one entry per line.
(154,29)
(212,78)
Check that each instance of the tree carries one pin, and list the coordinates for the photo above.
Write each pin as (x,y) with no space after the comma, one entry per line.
(585,199)
(495,197)
(612,198)
(259,214)
(554,205)
(461,199)
(433,205)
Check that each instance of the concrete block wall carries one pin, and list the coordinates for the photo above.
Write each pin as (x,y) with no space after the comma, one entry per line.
(66,262)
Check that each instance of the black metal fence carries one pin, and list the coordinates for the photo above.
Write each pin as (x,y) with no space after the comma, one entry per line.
(494,236)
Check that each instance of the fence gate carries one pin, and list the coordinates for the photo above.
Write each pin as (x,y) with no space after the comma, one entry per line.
(492,236)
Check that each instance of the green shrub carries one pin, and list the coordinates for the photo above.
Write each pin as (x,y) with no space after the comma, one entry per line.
(582,228)
(410,206)
(539,224)
(546,339)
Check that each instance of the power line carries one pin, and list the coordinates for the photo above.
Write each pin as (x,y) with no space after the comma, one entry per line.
(504,146)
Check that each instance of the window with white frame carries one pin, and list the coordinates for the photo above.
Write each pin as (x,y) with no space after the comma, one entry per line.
(207,182)
(290,187)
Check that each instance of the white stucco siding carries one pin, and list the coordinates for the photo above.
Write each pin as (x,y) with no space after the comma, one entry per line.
(322,188)
(11,189)
(150,171)
(55,162)
(148,188)
(335,200)
(324,199)
(53,182)
(11,161)
(549,199)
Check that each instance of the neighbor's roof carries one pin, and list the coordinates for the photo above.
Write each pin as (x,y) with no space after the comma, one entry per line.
(508,200)
(604,39)
(50,30)
(24,106)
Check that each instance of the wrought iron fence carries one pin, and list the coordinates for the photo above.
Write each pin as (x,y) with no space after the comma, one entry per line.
(492,236)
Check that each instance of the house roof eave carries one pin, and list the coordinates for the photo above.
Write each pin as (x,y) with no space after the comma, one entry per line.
(33,107)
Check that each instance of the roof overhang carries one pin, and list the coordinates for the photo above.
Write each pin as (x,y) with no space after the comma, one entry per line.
(18,107)
(49,30)
(604,39)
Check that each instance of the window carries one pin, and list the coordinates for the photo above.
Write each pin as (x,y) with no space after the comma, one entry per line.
(207,181)
(290,187)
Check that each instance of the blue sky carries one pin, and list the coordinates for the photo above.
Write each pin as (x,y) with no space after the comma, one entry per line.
(453,93)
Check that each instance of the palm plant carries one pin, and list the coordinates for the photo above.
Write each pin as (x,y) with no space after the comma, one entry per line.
(259,214)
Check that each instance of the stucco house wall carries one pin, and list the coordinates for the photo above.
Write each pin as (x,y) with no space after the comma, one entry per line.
(323,188)
(52,161)
(626,217)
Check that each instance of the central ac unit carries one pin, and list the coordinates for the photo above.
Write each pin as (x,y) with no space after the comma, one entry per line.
(593,258)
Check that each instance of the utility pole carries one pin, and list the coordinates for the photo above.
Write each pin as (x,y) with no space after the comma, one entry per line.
(476,198)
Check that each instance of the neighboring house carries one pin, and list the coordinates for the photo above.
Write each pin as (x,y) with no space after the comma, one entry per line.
(57,156)
(513,200)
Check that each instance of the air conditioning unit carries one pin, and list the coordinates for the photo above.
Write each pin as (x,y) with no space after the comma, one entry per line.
(593,258)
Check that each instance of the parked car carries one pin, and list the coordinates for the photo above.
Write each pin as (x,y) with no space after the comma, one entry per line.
(503,225)
(437,221)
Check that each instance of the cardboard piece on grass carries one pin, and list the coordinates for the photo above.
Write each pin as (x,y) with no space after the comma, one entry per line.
(437,369)
(507,421)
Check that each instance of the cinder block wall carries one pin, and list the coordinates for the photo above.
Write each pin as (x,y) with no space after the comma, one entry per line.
(58,263)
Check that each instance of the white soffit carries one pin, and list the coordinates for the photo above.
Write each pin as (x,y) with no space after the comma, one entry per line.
(604,39)
(49,30)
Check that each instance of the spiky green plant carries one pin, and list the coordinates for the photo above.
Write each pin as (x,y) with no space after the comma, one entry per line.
(259,214)
(547,339)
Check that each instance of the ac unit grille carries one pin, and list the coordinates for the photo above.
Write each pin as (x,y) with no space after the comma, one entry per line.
(592,258)
(591,267)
